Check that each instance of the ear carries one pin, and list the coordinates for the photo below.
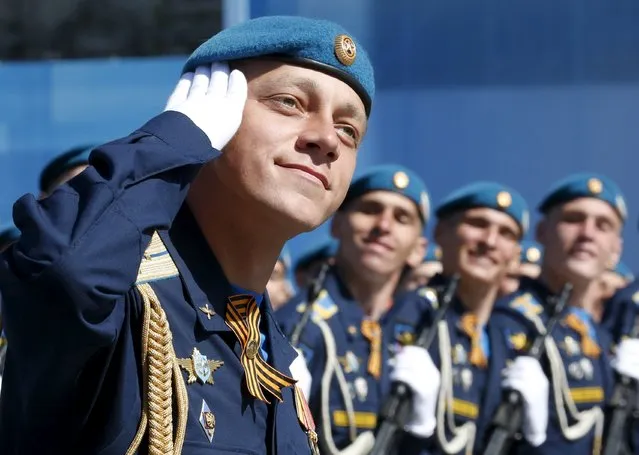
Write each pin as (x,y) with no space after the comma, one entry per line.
(615,255)
(418,252)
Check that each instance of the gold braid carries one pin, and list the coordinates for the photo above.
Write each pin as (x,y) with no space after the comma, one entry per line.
(161,375)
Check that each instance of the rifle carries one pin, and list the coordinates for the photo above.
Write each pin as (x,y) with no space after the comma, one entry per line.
(507,422)
(314,290)
(397,407)
(624,404)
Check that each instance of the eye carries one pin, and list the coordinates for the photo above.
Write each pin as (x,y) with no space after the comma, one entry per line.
(287,101)
(349,131)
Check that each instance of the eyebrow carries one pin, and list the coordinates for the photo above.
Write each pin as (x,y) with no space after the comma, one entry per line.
(309,86)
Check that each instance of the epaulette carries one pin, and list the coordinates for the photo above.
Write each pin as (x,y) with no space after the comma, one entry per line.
(430,295)
(527,305)
(156,263)
(323,307)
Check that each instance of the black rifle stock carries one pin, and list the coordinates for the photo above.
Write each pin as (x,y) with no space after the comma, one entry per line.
(397,407)
(507,422)
(624,405)
(314,290)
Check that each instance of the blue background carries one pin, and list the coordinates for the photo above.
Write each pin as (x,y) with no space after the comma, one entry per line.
(520,92)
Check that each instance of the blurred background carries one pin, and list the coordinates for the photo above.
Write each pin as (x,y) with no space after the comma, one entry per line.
(521,92)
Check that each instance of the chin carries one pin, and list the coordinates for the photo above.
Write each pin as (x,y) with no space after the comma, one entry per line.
(582,271)
(478,274)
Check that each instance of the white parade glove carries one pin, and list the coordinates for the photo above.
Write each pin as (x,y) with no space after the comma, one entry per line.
(300,373)
(626,361)
(526,376)
(414,367)
(213,100)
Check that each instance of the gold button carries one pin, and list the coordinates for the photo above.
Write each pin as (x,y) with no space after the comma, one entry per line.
(251,349)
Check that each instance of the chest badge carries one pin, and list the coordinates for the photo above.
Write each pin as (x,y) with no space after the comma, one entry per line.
(199,367)
(207,420)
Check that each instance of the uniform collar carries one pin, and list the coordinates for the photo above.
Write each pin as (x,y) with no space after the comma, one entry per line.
(208,288)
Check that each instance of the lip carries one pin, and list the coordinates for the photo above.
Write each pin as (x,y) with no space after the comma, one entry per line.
(478,257)
(382,244)
(318,175)
(581,250)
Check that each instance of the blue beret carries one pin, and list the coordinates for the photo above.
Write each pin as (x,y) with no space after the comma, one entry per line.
(314,43)
(321,252)
(433,253)
(487,194)
(395,178)
(8,235)
(624,271)
(531,252)
(585,185)
(285,257)
(76,156)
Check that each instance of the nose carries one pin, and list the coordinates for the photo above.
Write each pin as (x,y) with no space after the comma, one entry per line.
(319,138)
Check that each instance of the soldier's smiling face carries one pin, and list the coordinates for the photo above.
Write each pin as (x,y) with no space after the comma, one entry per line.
(479,244)
(380,233)
(582,238)
(294,154)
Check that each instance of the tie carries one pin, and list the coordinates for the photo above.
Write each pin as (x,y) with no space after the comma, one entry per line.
(588,344)
(243,318)
(468,325)
(373,333)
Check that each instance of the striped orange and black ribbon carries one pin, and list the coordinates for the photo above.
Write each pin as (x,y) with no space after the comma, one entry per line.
(243,318)
(469,325)
(589,346)
(373,333)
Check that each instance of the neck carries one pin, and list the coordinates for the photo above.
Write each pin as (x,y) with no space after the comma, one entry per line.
(585,293)
(478,297)
(373,295)
(246,249)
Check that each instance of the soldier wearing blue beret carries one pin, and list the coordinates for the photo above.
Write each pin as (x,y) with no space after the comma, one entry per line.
(479,228)
(135,299)
(355,325)
(527,265)
(308,266)
(63,168)
(580,232)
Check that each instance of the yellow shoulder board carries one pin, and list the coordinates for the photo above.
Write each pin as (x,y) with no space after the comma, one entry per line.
(527,305)
(156,263)
(323,307)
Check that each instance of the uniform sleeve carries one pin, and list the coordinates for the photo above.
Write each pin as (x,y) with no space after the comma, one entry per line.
(81,247)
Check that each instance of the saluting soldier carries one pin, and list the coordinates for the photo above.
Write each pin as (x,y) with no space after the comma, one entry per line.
(135,298)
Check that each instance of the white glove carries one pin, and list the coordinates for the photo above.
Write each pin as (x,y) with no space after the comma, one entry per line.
(213,100)
(526,376)
(626,361)
(414,367)
(300,373)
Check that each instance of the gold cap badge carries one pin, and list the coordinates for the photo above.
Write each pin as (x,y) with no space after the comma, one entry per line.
(533,254)
(504,199)
(345,49)
(595,186)
(400,180)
